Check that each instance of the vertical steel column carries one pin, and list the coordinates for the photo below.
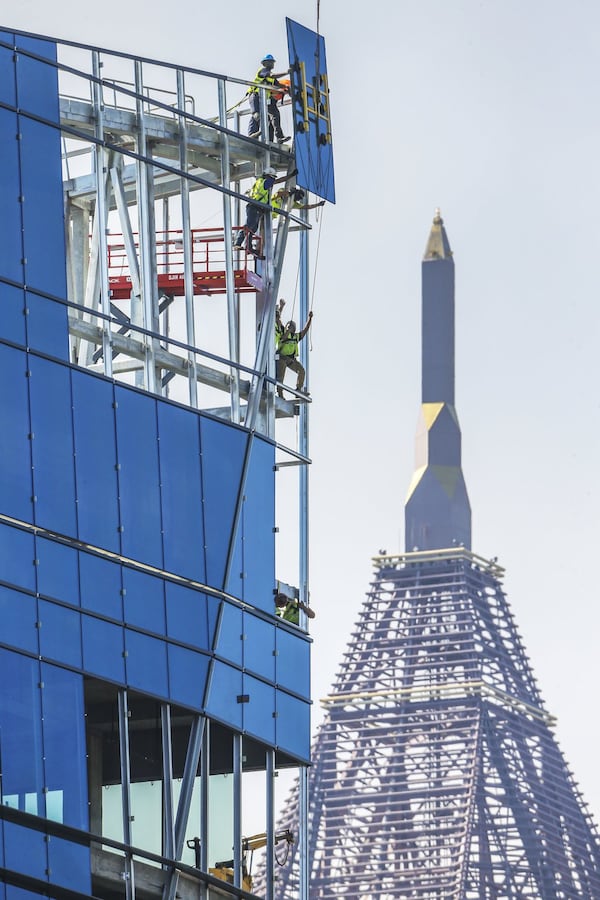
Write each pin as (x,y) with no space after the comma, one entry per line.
(237,810)
(188,272)
(204,796)
(270,829)
(167,761)
(126,792)
(146,230)
(101,210)
(232,310)
(303,446)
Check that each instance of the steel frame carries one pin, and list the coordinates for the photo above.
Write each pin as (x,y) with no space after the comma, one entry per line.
(436,773)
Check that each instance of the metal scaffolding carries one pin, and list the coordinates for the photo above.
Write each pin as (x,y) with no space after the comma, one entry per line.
(436,773)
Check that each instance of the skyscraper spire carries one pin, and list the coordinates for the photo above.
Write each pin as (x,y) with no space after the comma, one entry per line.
(437,509)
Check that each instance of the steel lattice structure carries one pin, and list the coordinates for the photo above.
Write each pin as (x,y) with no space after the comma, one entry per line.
(436,771)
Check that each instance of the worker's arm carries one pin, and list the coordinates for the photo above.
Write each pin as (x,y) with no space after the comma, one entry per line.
(309,612)
(306,327)
(286,177)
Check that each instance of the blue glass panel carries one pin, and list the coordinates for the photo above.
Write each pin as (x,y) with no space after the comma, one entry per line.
(60,634)
(15,451)
(18,616)
(17,556)
(43,217)
(187,676)
(7,71)
(235,584)
(146,663)
(293,725)
(144,600)
(312,126)
(100,581)
(21,733)
(181,491)
(293,662)
(259,646)
(11,265)
(224,692)
(25,850)
(70,865)
(187,615)
(259,521)
(52,446)
(139,477)
(12,303)
(223,449)
(65,746)
(229,643)
(96,461)
(15,893)
(37,81)
(47,325)
(103,649)
(57,570)
(259,718)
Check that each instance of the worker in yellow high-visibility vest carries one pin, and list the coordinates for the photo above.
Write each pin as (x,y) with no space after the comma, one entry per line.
(287,354)
(265,75)
(261,192)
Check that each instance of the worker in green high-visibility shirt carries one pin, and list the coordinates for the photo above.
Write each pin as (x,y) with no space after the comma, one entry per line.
(288,609)
(287,353)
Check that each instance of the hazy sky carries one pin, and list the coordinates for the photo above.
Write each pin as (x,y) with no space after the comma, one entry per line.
(491,111)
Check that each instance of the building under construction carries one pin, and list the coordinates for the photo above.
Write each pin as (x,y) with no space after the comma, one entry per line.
(147,681)
(436,772)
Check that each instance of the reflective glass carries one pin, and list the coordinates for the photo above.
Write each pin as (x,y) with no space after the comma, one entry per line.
(12,303)
(7,71)
(223,450)
(103,649)
(25,851)
(36,80)
(139,477)
(57,570)
(187,615)
(187,676)
(11,264)
(259,711)
(60,634)
(144,600)
(293,725)
(259,521)
(47,325)
(18,555)
(96,461)
(18,616)
(100,581)
(146,663)
(181,491)
(224,697)
(15,450)
(64,746)
(70,865)
(21,733)
(43,225)
(229,644)
(293,662)
(235,584)
(259,646)
(52,445)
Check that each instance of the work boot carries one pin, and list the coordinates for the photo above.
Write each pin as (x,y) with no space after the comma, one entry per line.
(282,139)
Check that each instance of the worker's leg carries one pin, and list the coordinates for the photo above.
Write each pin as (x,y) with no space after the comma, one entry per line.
(275,128)
(280,367)
(254,125)
(296,366)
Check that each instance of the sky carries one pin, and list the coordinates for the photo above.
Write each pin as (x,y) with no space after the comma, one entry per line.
(490,111)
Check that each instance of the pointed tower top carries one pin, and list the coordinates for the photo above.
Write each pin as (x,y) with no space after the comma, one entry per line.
(438,246)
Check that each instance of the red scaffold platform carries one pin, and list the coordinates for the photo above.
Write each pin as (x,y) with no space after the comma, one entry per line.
(208,264)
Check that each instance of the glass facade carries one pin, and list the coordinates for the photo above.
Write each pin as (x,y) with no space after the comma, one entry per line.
(146,679)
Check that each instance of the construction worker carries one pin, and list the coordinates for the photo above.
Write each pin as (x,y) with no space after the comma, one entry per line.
(265,75)
(287,353)
(289,610)
(261,191)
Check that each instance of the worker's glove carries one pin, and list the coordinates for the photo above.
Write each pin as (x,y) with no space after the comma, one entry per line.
(322,203)
(256,116)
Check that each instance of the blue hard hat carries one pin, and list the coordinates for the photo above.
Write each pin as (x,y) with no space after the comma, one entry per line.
(268,58)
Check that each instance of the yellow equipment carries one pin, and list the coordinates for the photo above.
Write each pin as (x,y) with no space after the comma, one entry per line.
(224,870)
